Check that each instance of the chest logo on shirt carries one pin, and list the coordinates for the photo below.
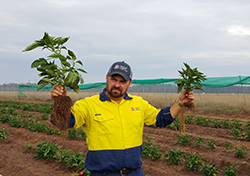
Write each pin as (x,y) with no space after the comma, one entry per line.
(136,108)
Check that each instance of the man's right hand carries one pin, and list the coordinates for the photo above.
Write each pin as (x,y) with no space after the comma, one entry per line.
(57,91)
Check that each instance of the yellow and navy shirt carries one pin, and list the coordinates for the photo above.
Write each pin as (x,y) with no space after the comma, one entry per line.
(114,131)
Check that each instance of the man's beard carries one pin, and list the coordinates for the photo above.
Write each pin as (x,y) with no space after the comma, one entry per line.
(115,94)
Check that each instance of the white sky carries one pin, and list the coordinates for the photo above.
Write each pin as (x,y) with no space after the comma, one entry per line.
(154,36)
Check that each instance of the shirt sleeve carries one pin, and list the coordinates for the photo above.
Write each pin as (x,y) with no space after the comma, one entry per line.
(150,114)
(72,121)
(78,114)
(164,117)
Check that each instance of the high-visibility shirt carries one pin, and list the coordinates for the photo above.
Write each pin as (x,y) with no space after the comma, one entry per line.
(114,131)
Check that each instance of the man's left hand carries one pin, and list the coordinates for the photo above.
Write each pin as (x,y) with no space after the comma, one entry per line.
(186,97)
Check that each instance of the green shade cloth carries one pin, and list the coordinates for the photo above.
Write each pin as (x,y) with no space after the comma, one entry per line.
(210,82)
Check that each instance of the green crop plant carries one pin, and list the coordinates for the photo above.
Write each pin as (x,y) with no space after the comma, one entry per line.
(239,152)
(228,145)
(190,79)
(3,133)
(4,118)
(20,114)
(66,74)
(211,144)
(226,123)
(193,161)
(72,133)
(45,116)
(236,124)
(236,133)
(189,119)
(75,133)
(217,123)
(247,135)
(209,170)
(26,107)
(202,121)
(63,155)
(81,134)
(14,121)
(49,151)
(199,141)
(46,150)
(230,171)
(39,127)
(28,147)
(150,149)
(247,125)
(12,111)
(2,110)
(76,159)
(173,156)
(184,138)
(174,125)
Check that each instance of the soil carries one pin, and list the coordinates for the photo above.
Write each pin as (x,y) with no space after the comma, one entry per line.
(61,112)
(15,160)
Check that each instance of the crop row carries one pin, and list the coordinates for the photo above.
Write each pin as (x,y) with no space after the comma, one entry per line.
(39,127)
(37,107)
(8,107)
(236,125)
(51,151)
(193,161)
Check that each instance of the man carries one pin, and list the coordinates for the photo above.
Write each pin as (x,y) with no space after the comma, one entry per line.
(113,122)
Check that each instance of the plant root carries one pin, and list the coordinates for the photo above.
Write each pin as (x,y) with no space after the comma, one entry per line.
(187,106)
(61,112)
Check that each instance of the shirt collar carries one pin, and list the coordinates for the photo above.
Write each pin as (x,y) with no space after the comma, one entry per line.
(104,97)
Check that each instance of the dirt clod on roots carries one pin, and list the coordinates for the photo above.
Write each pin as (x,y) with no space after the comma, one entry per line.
(187,106)
(61,112)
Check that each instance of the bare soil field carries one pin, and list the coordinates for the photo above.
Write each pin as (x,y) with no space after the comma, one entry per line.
(15,160)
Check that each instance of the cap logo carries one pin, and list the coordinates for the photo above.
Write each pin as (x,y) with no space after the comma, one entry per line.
(121,67)
(116,67)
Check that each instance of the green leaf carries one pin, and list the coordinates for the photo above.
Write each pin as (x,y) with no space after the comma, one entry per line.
(32,46)
(35,64)
(67,64)
(63,47)
(38,62)
(81,70)
(76,89)
(41,86)
(71,53)
(179,81)
(46,80)
(50,72)
(62,58)
(40,69)
(79,62)
(179,89)
(55,55)
(60,40)
(81,79)
(48,39)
